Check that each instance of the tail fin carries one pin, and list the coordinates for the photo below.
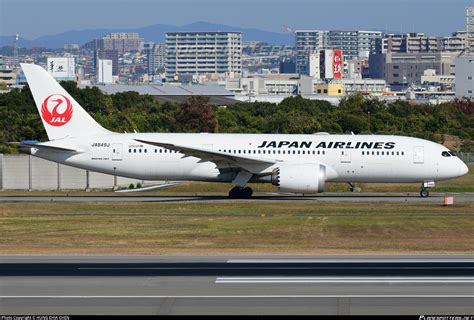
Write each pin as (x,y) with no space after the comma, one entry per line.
(62,116)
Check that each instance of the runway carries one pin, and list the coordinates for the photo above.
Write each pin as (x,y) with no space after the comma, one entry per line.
(339,284)
(325,197)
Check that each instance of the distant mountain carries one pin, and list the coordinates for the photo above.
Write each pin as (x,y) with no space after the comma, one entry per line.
(155,33)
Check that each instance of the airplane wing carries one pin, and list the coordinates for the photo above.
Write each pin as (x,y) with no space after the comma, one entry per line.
(38,145)
(221,159)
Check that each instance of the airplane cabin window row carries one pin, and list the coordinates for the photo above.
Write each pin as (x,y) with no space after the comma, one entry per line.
(305,152)
(234,151)
(383,153)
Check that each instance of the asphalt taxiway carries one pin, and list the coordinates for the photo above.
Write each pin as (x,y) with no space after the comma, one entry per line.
(325,197)
(362,284)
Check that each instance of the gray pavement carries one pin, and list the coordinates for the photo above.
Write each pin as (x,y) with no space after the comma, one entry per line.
(326,284)
(324,197)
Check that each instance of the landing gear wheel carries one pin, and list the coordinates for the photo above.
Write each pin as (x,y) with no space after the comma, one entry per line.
(424,193)
(234,193)
(240,193)
(246,193)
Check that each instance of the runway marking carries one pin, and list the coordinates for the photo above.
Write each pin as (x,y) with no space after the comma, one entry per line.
(388,260)
(273,268)
(253,280)
(241,296)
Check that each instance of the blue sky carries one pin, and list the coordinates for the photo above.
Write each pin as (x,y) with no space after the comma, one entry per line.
(34,18)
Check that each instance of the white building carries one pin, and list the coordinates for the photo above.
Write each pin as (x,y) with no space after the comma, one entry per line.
(104,71)
(430,77)
(201,53)
(464,76)
(370,86)
(62,68)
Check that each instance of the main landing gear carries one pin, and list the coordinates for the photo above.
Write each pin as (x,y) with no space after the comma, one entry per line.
(240,193)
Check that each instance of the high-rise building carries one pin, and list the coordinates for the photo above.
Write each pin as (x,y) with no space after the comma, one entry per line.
(420,42)
(354,44)
(307,41)
(470,28)
(118,41)
(155,57)
(202,53)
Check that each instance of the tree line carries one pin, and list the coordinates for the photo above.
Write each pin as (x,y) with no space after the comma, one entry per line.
(358,114)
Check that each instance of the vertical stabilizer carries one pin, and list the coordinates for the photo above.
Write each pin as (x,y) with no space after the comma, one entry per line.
(62,116)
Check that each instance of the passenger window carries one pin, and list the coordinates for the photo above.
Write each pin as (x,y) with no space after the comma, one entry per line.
(129,150)
(140,150)
(403,153)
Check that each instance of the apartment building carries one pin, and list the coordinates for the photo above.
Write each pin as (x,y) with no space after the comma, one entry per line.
(202,53)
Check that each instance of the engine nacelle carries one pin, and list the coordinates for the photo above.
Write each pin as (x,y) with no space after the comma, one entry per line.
(300,178)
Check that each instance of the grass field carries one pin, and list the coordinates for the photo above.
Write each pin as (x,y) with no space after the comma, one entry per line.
(235,227)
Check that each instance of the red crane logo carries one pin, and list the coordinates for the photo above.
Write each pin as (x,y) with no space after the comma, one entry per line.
(56,110)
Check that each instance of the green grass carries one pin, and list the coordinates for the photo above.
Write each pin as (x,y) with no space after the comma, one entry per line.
(235,227)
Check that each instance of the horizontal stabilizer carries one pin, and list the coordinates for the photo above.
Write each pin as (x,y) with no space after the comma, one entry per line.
(39,145)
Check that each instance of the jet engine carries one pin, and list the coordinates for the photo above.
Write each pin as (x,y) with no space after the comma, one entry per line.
(300,178)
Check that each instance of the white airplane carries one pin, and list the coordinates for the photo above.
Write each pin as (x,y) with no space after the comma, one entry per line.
(295,163)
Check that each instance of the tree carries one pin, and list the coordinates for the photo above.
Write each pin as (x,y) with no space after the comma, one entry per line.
(196,115)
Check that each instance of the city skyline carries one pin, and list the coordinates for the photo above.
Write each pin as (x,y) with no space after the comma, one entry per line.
(399,16)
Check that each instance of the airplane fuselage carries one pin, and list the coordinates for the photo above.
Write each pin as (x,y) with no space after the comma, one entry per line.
(347,158)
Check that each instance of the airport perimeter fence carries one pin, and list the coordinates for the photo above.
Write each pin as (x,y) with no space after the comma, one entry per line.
(467,157)
(27,173)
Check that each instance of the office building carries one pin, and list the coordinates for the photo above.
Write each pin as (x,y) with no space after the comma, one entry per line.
(62,68)
(201,53)
(155,57)
(403,69)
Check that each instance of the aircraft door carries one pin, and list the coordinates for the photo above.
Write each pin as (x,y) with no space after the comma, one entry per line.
(346,156)
(418,155)
(116,151)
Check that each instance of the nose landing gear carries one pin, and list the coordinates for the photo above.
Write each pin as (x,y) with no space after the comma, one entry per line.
(424,193)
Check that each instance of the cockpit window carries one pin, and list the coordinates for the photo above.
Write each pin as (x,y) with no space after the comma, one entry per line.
(452,153)
(445,154)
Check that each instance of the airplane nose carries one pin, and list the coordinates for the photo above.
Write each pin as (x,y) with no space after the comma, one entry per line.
(463,169)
